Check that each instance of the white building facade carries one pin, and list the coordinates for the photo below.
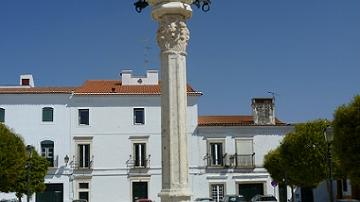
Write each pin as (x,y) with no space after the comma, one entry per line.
(103,140)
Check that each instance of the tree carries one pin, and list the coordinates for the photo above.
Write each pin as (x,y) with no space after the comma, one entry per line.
(12,158)
(275,165)
(347,138)
(18,172)
(31,178)
(304,152)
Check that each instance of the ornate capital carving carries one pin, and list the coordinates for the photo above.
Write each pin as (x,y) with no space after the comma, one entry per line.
(154,2)
(173,34)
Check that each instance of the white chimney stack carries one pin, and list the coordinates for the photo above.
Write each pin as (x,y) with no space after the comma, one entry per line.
(151,78)
(263,111)
(27,80)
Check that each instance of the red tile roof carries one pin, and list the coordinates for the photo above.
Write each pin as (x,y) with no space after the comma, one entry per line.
(229,121)
(111,87)
(94,87)
(36,90)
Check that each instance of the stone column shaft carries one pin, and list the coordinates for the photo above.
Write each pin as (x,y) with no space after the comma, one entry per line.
(172,37)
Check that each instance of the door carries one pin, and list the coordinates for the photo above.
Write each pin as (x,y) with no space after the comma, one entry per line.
(282,193)
(307,194)
(52,193)
(250,190)
(139,190)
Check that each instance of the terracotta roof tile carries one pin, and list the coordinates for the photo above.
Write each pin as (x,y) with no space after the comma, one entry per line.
(94,87)
(37,90)
(241,120)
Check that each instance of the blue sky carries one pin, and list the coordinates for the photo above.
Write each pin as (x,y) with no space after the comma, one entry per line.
(307,51)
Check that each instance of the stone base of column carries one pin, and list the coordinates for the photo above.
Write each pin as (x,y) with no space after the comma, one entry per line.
(174,195)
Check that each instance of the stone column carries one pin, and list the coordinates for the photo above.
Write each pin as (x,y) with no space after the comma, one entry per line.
(172,38)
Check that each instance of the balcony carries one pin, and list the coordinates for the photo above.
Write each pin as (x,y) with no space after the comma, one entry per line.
(235,161)
(243,161)
(78,164)
(138,165)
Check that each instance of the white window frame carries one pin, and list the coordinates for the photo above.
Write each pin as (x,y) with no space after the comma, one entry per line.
(78,189)
(140,140)
(45,155)
(138,179)
(216,141)
(85,140)
(134,116)
(79,117)
(218,199)
(42,114)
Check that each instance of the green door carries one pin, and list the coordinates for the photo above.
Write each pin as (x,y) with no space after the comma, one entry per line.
(282,193)
(52,193)
(139,190)
(250,190)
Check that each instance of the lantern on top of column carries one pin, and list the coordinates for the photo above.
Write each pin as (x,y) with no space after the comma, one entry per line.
(203,4)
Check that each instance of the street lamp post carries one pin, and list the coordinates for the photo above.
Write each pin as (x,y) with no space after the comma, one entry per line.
(329,137)
(29,150)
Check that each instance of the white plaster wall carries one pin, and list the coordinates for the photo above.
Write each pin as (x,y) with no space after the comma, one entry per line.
(23,114)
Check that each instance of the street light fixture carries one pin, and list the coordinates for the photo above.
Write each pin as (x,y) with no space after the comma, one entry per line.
(203,4)
(29,151)
(329,137)
(66,159)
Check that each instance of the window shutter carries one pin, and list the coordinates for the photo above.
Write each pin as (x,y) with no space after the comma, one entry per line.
(244,147)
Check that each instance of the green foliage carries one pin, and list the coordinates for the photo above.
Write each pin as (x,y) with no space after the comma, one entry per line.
(347,138)
(301,157)
(12,158)
(32,177)
(274,164)
(16,168)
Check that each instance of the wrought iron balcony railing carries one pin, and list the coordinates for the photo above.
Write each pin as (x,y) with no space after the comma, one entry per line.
(240,161)
(243,160)
(138,163)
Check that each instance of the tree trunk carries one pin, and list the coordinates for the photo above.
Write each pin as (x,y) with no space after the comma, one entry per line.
(292,193)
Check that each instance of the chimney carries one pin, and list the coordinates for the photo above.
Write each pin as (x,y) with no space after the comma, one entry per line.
(128,79)
(27,80)
(263,111)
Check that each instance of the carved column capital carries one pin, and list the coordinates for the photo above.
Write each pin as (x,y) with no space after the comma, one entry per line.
(173,34)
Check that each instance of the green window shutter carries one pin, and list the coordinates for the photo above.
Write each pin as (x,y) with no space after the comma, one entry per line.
(47,114)
(2,115)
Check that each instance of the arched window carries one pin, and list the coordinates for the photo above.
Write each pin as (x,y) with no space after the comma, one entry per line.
(47,114)
(2,115)
(47,151)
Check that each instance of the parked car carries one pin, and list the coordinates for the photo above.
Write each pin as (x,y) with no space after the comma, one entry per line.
(204,199)
(80,200)
(234,198)
(268,198)
(143,200)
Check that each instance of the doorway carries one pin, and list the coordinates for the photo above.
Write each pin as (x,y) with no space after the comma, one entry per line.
(139,190)
(52,193)
(250,190)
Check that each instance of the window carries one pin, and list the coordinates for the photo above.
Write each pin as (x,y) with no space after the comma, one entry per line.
(2,115)
(47,151)
(216,154)
(217,192)
(83,116)
(139,116)
(84,155)
(244,153)
(84,190)
(344,185)
(47,114)
(140,155)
